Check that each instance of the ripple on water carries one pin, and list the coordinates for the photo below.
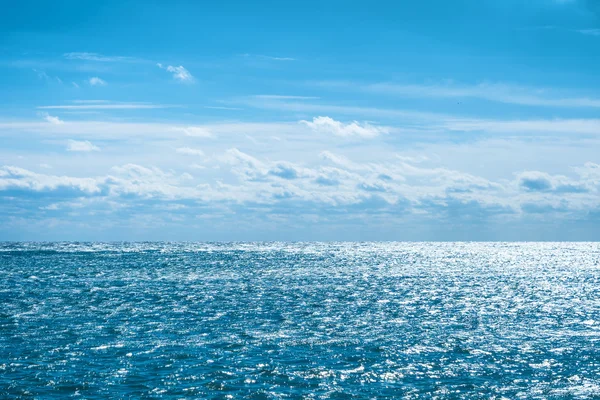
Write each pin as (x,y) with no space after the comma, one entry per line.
(317,320)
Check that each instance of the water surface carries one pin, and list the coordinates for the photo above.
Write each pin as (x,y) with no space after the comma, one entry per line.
(305,320)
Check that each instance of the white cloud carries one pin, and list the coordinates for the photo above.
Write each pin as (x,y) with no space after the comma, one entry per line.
(536,181)
(120,130)
(43,75)
(95,81)
(274,58)
(279,58)
(566,126)
(95,57)
(103,105)
(194,131)
(81,146)
(15,177)
(498,92)
(284,97)
(179,73)
(590,32)
(223,108)
(52,119)
(189,151)
(377,186)
(354,128)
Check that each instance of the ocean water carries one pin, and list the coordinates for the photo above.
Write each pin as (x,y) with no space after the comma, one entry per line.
(300,320)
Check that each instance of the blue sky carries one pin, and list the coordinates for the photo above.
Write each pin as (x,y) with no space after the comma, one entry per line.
(328,120)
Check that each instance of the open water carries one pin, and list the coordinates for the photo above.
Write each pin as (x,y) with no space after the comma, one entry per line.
(300,320)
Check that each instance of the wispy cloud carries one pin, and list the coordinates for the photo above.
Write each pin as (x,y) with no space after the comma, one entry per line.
(44,76)
(280,58)
(95,57)
(188,151)
(179,73)
(284,97)
(266,57)
(223,108)
(119,130)
(519,127)
(591,32)
(81,146)
(95,81)
(90,101)
(94,105)
(498,92)
(354,128)
(194,131)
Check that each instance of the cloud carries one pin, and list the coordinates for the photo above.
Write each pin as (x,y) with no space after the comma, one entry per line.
(333,189)
(536,181)
(497,92)
(106,106)
(179,73)
(284,97)
(223,108)
(81,146)
(244,164)
(15,178)
(284,170)
(273,58)
(95,57)
(590,32)
(44,76)
(51,119)
(543,126)
(280,58)
(117,130)
(352,129)
(189,151)
(194,131)
(95,81)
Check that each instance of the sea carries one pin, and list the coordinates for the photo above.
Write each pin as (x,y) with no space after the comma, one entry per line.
(300,320)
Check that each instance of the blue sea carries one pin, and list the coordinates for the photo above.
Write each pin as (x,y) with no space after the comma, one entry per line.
(300,320)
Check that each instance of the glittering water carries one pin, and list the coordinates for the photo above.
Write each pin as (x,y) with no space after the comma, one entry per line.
(274,320)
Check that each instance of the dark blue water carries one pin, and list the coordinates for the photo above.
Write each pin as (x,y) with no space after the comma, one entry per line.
(271,320)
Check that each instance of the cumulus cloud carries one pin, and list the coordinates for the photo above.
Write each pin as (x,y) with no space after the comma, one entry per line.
(52,119)
(352,129)
(95,81)
(81,146)
(179,73)
(536,181)
(284,170)
(188,151)
(335,185)
(244,164)
(15,178)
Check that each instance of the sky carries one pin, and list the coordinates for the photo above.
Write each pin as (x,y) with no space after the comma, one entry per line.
(300,120)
